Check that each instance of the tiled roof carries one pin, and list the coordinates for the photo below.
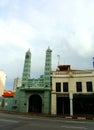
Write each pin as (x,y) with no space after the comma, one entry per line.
(8,93)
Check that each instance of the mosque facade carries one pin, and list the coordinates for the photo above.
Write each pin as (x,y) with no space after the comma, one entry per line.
(35,94)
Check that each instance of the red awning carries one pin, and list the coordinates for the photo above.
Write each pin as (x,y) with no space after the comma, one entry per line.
(8,93)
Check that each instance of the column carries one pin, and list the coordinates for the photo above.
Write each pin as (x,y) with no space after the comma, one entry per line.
(71,104)
(53,104)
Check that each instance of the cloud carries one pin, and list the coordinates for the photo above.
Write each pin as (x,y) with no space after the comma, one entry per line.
(66,26)
(81,42)
(15,32)
(3,3)
(15,38)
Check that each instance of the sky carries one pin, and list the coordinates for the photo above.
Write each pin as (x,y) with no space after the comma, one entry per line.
(66,26)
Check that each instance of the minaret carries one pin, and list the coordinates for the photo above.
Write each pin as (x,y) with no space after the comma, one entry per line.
(26,69)
(47,72)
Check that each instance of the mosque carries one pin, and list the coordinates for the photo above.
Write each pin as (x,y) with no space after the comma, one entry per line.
(35,94)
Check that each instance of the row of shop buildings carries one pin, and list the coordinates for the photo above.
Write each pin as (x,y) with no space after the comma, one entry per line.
(61,92)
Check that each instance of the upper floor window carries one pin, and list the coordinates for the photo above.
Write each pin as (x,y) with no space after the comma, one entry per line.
(58,87)
(89,86)
(65,87)
(79,86)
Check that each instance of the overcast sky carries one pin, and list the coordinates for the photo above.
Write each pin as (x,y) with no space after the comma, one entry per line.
(67,26)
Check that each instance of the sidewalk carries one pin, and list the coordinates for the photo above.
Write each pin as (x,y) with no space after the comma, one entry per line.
(78,117)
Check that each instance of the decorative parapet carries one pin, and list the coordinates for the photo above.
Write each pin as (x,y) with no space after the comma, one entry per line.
(72,73)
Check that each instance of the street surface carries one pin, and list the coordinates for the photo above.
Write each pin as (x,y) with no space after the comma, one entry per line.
(29,122)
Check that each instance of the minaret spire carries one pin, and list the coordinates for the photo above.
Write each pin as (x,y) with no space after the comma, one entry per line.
(47,72)
(26,69)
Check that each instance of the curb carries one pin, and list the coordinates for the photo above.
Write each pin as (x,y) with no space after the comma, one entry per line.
(49,115)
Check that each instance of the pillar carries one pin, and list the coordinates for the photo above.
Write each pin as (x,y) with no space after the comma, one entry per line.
(71,104)
(53,104)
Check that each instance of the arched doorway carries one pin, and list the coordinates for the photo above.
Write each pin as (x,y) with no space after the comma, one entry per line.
(35,104)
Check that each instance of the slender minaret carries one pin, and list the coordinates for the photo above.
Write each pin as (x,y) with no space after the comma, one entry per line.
(47,72)
(26,69)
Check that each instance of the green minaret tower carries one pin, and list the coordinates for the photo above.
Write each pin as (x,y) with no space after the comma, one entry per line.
(47,82)
(47,72)
(26,69)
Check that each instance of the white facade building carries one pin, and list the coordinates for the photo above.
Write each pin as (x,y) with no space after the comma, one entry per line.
(72,91)
(2,81)
(17,83)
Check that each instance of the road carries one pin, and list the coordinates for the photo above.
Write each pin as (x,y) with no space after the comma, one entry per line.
(29,122)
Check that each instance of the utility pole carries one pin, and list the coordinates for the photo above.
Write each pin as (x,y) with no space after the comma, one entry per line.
(58,56)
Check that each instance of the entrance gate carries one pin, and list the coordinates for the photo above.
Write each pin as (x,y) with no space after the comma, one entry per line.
(35,104)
